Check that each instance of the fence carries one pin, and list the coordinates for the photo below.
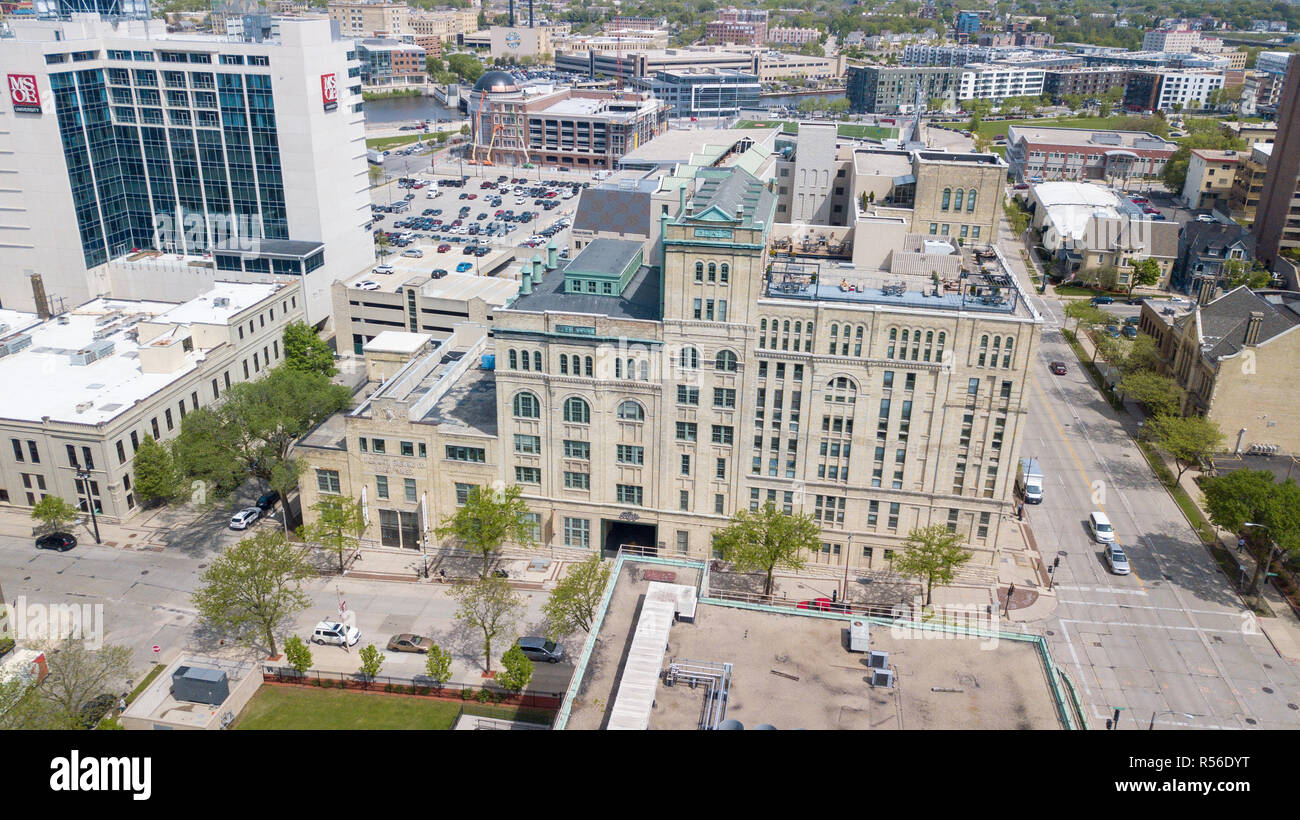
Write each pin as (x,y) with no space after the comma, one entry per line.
(418,685)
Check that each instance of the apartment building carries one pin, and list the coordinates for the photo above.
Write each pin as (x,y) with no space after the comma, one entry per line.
(703,92)
(447,24)
(643,402)
(997,81)
(1277,223)
(793,36)
(1170,90)
(1248,184)
(746,27)
(1181,40)
(389,63)
(97,379)
(361,19)
(1091,83)
(880,89)
(1210,177)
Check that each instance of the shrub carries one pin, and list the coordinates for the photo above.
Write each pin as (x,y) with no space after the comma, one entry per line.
(483,696)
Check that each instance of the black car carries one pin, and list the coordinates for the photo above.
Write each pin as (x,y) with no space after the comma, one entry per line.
(267,500)
(58,541)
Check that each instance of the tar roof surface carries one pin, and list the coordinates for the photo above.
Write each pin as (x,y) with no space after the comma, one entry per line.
(795,671)
(640,299)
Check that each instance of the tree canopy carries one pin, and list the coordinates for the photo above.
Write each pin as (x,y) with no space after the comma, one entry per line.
(931,554)
(576,597)
(489,606)
(305,351)
(1188,439)
(487,520)
(767,538)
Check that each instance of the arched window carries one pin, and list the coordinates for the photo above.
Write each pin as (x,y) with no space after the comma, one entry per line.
(929,342)
(857,341)
(577,411)
(631,368)
(956,202)
(725,361)
(984,346)
(970,200)
(893,337)
(947,196)
(713,272)
(762,325)
(938,353)
(618,368)
(842,390)
(526,360)
(724,273)
(564,365)
(808,340)
(527,406)
(587,368)
(785,326)
(631,411)
(537,360)
(699,271)
(645,371)
(690,358)
(514,359)
(835,338)
(1006,356)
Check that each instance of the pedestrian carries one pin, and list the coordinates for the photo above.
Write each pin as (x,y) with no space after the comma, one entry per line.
(1241,543)
(345,645)
(1020,512)
(121,704)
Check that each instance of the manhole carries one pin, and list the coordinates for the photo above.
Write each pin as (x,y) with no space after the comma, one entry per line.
(144,572)
(28,578)
(1096,644)
(1266,690)
(1050,633)
(1251,722)
(1268,666)
(1062,553)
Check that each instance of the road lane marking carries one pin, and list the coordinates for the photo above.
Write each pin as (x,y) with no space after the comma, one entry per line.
(1236,615)
(1115,590)
(1154,626)
(1042,394)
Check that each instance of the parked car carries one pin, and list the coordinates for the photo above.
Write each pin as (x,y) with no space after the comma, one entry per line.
(1059,368)
(416,252)
(1204,218)
(333,632)
(438,273)
(383,269)
(366,284)
(541,649)
(1129,332)
(444,247)
(57,541)
(1102,300)
(266,501)
(1099,526)
(406,642)
(1117,559)
(1112,331)
(824,605)
(244,518)
(464,266)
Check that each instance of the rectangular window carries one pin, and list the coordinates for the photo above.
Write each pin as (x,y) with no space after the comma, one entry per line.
(686,464)
(577,532)
(723,434)
(18,449)
(688,395)
(577,481)
(409,485)
(684,500)
(377,445)
(628,494)
(535,521)
(381,486)
(33,452)
(476,455)
(153,423)
(724,397)
(721,471)
(683,542)
(630,454)
(719,504)
(167,414)
(532,445)
(462,493)
(407,448)
(72,455)
(327,481)
(686,431)
(577,449)
(135,441)
(528,475)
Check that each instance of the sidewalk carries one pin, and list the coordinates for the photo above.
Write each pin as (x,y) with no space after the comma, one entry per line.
(147,531)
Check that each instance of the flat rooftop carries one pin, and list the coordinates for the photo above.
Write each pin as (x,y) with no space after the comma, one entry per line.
(1088,136)
(411,271)
(796,672)
(640,299)
(678,146)
(217,306)
(396,341)
(469,405)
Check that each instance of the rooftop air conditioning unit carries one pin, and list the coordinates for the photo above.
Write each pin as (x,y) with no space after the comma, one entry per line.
(221,301)
(882,678)
(877,659)
(859,634)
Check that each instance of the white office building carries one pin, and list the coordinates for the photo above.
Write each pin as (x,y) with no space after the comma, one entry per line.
(240,157)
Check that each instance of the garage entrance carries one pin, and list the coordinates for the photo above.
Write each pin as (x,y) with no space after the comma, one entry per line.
(622,532)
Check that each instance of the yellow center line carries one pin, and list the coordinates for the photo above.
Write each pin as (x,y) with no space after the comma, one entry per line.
(1077,463)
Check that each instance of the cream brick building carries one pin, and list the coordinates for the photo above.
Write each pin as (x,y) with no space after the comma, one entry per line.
(101,377)
(644,401)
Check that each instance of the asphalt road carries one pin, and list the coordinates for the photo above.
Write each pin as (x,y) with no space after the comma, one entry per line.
(1170,640)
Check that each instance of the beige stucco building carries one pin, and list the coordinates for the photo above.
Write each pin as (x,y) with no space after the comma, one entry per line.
(641,400)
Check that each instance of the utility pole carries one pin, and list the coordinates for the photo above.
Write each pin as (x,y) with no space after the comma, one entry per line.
(84,475)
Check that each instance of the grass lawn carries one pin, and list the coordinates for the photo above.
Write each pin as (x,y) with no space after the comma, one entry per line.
(294,707)
(384,143)
(845,129)
(996,128)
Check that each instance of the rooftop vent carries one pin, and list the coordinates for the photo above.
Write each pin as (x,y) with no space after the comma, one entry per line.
(221,301)
(20,342)
(65,320)
(84,406)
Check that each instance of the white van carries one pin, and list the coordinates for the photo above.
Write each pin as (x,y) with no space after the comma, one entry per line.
(1100,526)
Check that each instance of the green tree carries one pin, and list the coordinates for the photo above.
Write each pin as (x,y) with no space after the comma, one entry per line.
(383,245)
(1253,496)
(306,351)
(487,520)
(249,434)
(376,173)
(54,513)
(1158,395)
(765,539)
(156,477)
(433,66)
(517,670)
(576,597)
(491,607)
(1073,101)
(338,525)
(1142,355)
(812,49)
(932,555)
(77,674)
(1188,439)
(253,589)
(465,66)
(936,104)
(1145,272)
(437,665)
(297,653)
(372,660)
(1085,315)
(1107,278)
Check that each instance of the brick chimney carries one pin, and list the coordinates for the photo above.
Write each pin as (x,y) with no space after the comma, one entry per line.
(1252,328)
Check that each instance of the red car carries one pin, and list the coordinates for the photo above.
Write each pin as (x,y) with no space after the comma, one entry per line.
(472,196)
(550,194)
(824,605)
(1058,368)
(444,248)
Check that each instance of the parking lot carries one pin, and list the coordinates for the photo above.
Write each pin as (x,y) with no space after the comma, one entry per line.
(450,221)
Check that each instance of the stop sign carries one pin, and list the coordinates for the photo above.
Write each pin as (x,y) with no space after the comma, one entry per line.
(157,648)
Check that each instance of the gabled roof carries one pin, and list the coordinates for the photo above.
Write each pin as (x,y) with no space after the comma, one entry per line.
(1222,324)
(1204,237)
(724,191)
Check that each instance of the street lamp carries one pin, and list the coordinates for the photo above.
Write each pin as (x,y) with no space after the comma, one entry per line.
(1155,715)
(1268,561)
(84,475)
